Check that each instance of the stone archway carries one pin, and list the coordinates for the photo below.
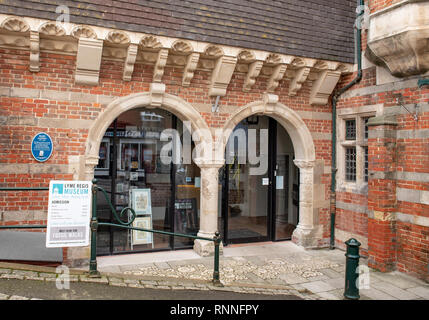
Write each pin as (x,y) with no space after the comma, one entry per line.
(174,104)
(308,232)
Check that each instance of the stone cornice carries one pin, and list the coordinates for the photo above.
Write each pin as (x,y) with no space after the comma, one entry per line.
(222,61)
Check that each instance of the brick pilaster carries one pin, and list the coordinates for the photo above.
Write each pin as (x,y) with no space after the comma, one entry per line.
(382,194)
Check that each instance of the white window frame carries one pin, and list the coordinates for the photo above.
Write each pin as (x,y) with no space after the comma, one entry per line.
(358,114)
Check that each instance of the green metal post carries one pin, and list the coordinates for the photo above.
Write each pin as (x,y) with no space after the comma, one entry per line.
(352,262)
(423,82)
(93,272)
(216,280)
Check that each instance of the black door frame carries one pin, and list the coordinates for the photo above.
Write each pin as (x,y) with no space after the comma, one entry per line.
(170,212)
(271,192)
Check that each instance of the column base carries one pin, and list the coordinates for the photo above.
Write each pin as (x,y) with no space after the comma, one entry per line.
(206,248)
(308,237)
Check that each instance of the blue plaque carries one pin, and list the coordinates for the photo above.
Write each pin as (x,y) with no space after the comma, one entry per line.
(41,147)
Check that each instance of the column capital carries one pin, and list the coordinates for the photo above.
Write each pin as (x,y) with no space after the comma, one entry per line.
(209,163)
(304,164)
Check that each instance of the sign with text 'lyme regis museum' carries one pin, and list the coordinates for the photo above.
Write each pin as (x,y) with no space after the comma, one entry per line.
(69,213)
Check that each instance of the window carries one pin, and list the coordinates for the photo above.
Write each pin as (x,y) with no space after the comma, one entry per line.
(352,146)
(351,164)
(351,129)
(366,164)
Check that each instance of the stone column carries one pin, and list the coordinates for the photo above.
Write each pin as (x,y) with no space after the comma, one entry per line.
(208,206)
(308,232)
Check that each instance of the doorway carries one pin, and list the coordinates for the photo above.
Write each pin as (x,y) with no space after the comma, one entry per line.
(132,169)
(258,200)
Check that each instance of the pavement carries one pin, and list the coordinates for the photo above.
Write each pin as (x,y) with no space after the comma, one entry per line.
(278,270)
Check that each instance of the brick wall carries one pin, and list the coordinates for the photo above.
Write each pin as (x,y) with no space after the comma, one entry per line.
(49,101)
(395,224)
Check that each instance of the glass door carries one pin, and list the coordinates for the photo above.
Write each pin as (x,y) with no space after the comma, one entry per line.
(285,176)
(263,206)
(246,195)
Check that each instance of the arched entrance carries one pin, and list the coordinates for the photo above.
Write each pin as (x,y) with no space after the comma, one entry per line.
(130,137)
(308,231)
(260,183)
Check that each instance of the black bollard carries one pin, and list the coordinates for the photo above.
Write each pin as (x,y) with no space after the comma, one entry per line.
(352,262)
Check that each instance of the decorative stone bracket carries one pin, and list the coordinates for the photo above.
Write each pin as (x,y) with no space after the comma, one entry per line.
(88,61)
(191,65)
(34,51)
(299,78)
(157,91)
(276,76)
(161,61)
(252,73)
(129,62)
(222,61)
(323,86)
(270,101)
(222,74)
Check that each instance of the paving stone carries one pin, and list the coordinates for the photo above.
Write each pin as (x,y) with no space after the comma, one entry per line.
(420,291)
(95,280)
(317,286)
(149,282)
(331,273)
(394,291)
(11,276)
(118,284)
(47,275)
(35,278)
(18,298)
(318,278)
(375,294)
(149,286)
(2,270)
(397,280)
(162,265)
(338,283)
(3,296)
(292,278)
(328,295)
(178,288)
(131,281)
(25,273)
(136,285)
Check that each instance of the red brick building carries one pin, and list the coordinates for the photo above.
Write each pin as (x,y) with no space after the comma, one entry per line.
(104,79)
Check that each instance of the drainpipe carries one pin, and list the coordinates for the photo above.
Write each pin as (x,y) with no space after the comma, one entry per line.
(360,4)
(423,82)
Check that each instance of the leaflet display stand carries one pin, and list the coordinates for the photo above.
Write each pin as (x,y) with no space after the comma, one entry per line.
(140,201)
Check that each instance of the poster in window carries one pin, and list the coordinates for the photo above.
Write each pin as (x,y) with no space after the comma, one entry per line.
(141,202)
(142,237)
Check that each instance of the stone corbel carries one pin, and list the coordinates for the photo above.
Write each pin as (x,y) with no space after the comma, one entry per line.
(299,78)
(191,65)
(157,91)
(323,86)
(129,62)
(222,74)
(252,73)
(34,51)
(276,76)
(161,61)
(270,101)
(88,61)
